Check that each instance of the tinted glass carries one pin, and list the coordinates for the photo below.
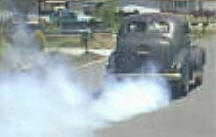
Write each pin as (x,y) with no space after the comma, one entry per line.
(137,27)
(154,27)
(159,27)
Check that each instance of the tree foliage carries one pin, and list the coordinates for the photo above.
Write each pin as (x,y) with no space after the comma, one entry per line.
(40,39)
(107,13)
(1,5)
(22,6)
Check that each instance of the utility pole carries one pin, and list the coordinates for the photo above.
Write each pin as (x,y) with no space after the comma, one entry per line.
(200,3)
(39,10)
(84,39)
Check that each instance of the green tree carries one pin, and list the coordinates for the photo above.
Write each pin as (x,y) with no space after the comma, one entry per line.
(1,22)
(1,5)
(3,27)
(25,6)
(22,6)
(40,39)
(107,13)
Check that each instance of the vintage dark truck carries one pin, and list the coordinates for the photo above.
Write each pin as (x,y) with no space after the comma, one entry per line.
(154,45)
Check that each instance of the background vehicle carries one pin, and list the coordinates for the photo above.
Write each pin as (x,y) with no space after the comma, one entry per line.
(70,23)
(158,45)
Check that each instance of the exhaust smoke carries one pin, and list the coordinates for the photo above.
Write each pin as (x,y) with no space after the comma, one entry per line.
(43,101)
(126,99)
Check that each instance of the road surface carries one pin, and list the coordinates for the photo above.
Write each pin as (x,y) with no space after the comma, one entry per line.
(192,116)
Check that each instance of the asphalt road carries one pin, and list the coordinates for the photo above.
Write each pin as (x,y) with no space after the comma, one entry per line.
(192,116)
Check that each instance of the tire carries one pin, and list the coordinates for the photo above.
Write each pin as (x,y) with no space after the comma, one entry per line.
(203,57)
(198,61)
(110,68)
(178,90)
(199,80)
(199,58)
(185,86)
(186,81)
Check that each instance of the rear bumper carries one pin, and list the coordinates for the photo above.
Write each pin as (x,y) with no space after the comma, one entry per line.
(170,77)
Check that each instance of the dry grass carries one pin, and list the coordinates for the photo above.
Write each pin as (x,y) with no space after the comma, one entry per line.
(107,41)
(97,41)
(77,61)
(63,41)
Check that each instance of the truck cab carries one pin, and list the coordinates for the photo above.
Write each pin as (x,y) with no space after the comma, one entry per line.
(156,45)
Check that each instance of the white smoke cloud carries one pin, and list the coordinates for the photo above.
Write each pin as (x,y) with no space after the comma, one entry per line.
(52,105)
(44,101)
(126,99)
(38,97)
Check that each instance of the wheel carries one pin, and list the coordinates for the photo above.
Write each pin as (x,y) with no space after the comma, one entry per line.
(178,90)
(203,57)
(110,68)
(186,81)
(185,84)
(185,88)
(199,57)
(199,80)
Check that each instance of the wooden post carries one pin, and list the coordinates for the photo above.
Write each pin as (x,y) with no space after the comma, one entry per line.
(85,37)
(39,10)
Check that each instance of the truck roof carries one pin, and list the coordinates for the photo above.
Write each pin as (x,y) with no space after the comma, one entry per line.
(157,16)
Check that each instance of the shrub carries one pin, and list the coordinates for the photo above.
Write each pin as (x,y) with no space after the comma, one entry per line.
(1,46)
(108,15)
(40,39)
(4,44)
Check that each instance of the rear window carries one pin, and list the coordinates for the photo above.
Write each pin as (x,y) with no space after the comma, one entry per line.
(159,27)
(137,27)
(154,27)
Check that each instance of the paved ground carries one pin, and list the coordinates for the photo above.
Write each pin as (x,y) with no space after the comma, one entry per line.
(193,116)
